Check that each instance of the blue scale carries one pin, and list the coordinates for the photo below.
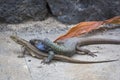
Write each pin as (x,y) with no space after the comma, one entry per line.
(41,47)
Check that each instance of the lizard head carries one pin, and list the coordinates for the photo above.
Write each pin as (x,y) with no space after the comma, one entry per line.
(35,41)
(39,44)
(16,39)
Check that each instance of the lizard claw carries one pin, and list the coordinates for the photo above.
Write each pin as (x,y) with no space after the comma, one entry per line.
(86,51)
(92,54)
(45,61)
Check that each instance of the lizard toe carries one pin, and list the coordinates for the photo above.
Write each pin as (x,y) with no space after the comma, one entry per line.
(92,54)
(45,61)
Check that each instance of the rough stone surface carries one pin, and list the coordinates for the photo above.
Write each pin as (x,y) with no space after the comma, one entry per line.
(67,11)
(74,11)
(11,67)
(16,11)
(29,68)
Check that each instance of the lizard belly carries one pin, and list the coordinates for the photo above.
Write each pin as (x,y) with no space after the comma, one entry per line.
(69,44)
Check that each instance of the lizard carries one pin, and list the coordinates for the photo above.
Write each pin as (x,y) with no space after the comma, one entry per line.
(70,47)
(38,54)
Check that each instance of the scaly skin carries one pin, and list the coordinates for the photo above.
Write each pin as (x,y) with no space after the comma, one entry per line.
(59,49)
(69,48)
(40,55)
(90,41)
(74,48)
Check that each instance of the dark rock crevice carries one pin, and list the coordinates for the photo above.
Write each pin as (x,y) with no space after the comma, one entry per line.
(17,11)
(74,11)
(66,11)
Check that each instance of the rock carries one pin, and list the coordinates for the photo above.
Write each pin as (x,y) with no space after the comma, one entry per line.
(16,11)
(74,11)
(67,11)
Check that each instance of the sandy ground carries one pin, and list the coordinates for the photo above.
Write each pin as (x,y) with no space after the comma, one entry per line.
(28,68)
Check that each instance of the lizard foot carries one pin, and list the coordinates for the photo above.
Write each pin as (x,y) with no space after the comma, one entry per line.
(24,51)
(92,54)
(22,55)
(85,51)
(45,61)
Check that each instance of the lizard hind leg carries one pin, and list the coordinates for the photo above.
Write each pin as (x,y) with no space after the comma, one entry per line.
(83,51)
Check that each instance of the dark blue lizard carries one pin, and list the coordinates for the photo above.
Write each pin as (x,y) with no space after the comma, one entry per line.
(43,48)
(39,45)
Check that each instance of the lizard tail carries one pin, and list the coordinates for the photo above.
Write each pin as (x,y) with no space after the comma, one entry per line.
(67,59)
(90,41)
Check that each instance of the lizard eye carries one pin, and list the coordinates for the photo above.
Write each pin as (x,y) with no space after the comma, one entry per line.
(18,42)
(32,42)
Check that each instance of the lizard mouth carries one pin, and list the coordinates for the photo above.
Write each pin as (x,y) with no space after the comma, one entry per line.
(15,38)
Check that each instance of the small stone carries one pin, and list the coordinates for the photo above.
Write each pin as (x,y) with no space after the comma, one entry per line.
(29,60)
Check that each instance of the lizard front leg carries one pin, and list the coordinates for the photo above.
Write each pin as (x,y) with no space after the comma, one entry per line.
(49,58)
(24,51)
